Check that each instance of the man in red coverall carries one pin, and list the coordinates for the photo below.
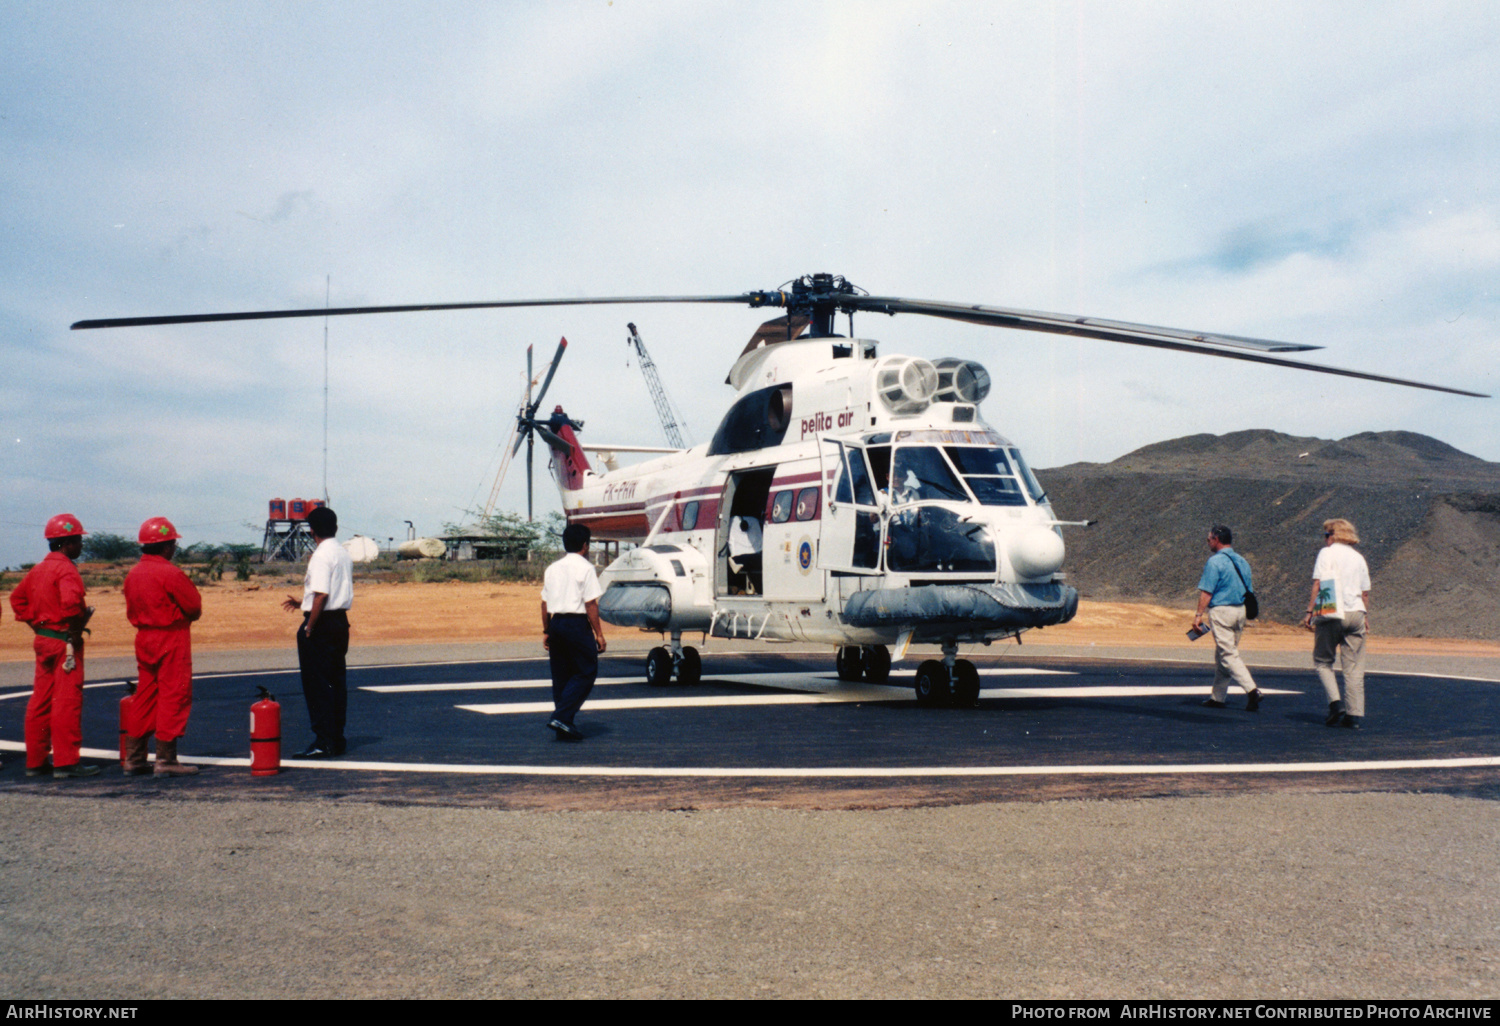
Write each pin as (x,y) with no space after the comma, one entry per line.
(50,599)
(161,603)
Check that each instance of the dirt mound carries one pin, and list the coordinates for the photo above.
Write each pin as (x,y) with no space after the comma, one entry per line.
(1428,515)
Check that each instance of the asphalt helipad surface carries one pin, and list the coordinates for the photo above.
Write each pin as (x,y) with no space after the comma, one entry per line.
(1283,859)
(780,726)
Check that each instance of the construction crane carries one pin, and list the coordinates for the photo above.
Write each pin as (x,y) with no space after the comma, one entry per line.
(669,418)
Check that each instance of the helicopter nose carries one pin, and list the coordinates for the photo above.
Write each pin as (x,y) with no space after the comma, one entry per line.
(1037,552)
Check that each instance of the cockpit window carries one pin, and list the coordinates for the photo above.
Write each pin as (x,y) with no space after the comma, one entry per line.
(988,472)
(880,465)
(1038,494)
(919,473)
(864,494)
(991,462)
(854,480)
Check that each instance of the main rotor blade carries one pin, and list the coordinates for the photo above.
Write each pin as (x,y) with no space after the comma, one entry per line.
(1068,324)
(264,315)
(803,298)
(1233,347)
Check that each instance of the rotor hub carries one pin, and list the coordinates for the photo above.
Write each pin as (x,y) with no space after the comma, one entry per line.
(819,297)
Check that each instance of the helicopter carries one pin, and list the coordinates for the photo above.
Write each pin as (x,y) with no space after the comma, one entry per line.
(848,498)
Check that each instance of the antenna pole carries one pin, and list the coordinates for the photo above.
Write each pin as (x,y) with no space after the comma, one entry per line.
(327,292)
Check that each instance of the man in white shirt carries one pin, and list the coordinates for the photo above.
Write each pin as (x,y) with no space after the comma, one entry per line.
(1338,613)
(745,542)
(323,638)
(571,631)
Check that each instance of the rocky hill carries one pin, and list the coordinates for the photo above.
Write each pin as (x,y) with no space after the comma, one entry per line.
(1427,513)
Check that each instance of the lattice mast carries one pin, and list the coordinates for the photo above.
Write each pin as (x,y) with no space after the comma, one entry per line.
(670,419)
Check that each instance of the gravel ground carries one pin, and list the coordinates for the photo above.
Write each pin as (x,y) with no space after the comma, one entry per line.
(1270,895)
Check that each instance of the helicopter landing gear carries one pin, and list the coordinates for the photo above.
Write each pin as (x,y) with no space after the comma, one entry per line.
(933,685)
(849,661)
(870,663)
(965,684)
(658,667)
(689,667)
(951,681)
(685,662)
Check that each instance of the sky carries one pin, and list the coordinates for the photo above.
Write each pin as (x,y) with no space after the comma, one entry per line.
(1316,173)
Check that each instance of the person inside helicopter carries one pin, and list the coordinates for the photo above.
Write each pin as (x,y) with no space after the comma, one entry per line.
(745,552)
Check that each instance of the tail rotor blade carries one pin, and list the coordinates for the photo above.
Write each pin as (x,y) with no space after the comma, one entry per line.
(530,477)
(553,439)
(561,346)
(530,379)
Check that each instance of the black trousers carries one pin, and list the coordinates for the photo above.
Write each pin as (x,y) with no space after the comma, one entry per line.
(574,658)
(320,656)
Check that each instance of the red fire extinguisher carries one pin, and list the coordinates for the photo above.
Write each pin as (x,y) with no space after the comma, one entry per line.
(265,736)
(126,702)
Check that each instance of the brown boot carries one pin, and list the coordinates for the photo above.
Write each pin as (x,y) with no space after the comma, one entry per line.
(166,760)
(135,764)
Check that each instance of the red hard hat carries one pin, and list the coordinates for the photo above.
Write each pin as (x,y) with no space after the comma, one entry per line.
(158,529)
(64,525)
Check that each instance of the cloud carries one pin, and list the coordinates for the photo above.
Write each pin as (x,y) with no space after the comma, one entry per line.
(1319,174)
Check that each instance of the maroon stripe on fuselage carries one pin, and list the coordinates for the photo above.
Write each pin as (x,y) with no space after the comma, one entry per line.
(620,526)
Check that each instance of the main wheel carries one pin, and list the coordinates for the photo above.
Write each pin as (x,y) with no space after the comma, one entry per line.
(933,687)
(690,670)
(877,664)
(849,662)
(658,667)
(965,684)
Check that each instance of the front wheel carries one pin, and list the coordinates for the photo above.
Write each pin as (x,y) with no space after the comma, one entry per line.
(965,684)
(849,662)
(877,664)
(690,670)
(932,683)
(658,667)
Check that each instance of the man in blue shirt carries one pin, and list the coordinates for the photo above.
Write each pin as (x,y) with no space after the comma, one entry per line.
(1221,595)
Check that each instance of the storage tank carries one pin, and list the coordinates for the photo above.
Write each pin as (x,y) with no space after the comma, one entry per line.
(278,509)
(362,549)
(422,548)
(297,509)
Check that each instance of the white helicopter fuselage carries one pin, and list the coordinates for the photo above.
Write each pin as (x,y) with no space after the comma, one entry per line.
(846,499)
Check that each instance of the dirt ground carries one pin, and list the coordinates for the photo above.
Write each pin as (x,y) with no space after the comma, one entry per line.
(249,616)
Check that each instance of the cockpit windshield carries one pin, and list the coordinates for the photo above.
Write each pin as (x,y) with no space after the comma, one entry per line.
(928,473)
(919,473)
(988,472)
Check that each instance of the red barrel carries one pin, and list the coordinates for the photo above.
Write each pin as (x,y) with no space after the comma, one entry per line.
(298,509)
(265,736)
(278,509)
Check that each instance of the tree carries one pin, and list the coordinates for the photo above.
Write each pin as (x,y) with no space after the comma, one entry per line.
(104,547)
(512,533)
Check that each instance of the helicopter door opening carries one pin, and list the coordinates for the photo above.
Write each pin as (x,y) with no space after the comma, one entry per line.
(851,526)
(741,539)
